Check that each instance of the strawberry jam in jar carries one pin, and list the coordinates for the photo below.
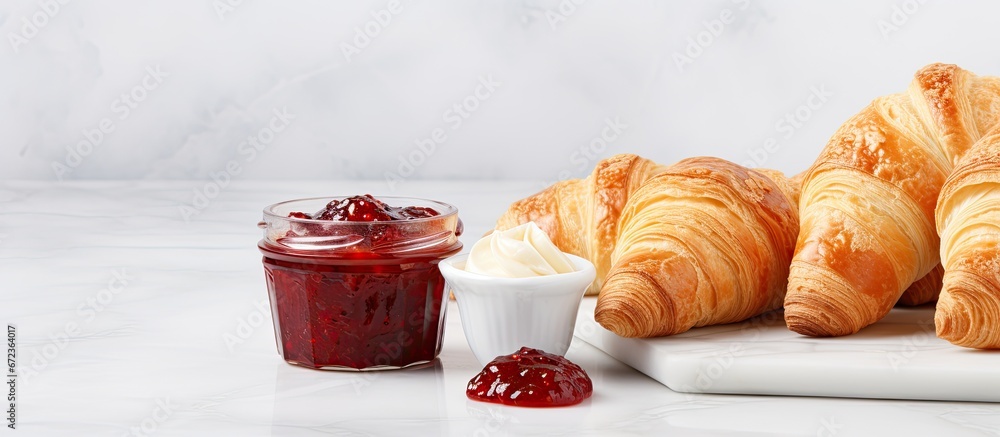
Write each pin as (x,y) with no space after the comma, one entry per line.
(355,285)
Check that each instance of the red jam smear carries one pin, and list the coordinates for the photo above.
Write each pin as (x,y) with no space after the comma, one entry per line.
(358,308)
(531,378)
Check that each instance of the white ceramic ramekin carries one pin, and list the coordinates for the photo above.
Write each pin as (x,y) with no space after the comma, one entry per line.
(500,315)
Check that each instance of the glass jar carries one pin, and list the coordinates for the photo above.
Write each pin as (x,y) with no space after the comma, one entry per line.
(354,295)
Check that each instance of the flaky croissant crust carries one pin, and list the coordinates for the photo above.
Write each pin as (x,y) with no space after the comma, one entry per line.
(968,220)
(869,235)
(705,242)
(581,215)
(867,204)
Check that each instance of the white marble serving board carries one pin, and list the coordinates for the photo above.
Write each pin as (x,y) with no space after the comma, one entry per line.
(897,358)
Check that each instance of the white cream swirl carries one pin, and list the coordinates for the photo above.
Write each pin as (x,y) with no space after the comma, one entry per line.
(519,252)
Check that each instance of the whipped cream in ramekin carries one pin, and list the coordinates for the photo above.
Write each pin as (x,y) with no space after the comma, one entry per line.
(521,252)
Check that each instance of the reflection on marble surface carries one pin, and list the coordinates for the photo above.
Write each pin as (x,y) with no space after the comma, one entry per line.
(182,346)
(355,400)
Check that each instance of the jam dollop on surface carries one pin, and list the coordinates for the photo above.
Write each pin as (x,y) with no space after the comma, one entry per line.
(531,378)
(366,209)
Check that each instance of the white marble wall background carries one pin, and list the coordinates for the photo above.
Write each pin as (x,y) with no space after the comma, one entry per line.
(565,70)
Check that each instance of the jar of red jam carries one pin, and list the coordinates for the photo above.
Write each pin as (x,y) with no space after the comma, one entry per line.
(355,285)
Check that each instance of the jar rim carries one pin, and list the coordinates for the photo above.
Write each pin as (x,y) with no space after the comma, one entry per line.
(327,237)
(446,210)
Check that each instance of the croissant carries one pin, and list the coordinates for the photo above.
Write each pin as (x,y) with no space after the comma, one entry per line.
(867,203)
(705,242)
(968,221)
(580,216)
(925,290)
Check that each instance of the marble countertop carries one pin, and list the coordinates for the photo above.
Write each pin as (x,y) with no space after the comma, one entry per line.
(140,310)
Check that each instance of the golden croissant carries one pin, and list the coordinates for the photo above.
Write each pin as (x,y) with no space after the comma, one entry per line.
(925,290)
(705,242)
(580,216)
(867,203)
(968,221)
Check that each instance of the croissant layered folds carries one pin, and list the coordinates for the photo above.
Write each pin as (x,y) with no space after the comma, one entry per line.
(968,220)
(703,243)
(867,204)
(745,221)
(580,216)
(925,290)
(706,241)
